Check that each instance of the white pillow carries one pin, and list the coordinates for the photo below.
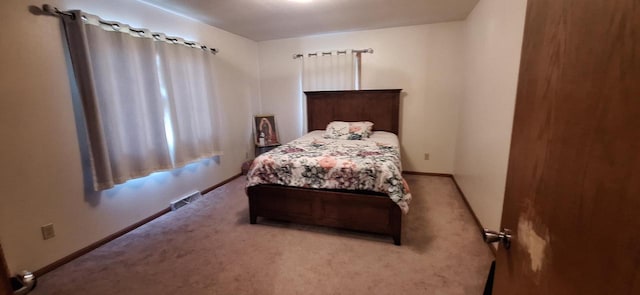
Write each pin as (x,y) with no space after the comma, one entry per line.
(348,130)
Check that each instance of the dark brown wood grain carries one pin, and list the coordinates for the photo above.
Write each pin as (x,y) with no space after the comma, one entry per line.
(428,174)
(382,107)
(5,286)
(364,211)
(574,163)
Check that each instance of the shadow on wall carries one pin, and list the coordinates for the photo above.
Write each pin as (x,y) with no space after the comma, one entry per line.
(91,196)
(228,118)
(35,10)
(281,89)
(403,149)
(375,73)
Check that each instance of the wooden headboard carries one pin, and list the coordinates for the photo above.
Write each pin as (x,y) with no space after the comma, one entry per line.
(382,107)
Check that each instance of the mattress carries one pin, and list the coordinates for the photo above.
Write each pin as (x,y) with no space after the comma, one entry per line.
(312,161)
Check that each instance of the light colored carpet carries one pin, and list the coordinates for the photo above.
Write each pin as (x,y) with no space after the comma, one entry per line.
(209,247)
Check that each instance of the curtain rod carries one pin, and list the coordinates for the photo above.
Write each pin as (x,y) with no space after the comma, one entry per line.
(299,55)
(52,10)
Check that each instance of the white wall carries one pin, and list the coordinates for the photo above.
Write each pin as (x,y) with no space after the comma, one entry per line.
(42,165)
(459,82)
(425,61)
(493,40)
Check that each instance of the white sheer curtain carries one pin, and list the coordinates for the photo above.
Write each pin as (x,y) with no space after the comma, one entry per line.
(187,78)
(147,103)
(121,101)
(333,71)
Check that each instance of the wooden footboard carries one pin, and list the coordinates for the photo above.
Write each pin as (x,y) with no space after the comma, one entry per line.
(363,211)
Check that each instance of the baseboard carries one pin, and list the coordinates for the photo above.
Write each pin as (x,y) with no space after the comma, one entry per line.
(111,237)
(464,198)
(427,173)
(97,244)
(215,186)
(475,217)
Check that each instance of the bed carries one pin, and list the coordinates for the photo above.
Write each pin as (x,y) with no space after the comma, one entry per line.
(361,210)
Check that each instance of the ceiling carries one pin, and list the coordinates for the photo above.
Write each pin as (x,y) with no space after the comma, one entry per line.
(261,20)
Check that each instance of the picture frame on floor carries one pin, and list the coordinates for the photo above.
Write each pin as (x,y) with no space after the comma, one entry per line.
(265,130)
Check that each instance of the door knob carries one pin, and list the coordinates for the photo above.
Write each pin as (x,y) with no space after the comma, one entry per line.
(504,236)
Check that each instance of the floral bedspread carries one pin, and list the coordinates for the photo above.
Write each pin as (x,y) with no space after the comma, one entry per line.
(315,162)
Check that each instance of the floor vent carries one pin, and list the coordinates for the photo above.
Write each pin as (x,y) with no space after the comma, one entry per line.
(185,200)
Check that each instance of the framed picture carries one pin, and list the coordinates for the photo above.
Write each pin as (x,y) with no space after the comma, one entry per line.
(265,127)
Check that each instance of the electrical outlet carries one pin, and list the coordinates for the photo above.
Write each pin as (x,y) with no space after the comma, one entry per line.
(47,231)
(426,156)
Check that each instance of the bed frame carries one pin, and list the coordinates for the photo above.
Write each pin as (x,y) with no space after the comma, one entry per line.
(355,210)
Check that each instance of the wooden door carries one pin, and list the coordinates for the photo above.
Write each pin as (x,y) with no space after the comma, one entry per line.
(573,184)
(5,287)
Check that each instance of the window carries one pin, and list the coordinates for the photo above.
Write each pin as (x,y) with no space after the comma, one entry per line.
(148,100)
